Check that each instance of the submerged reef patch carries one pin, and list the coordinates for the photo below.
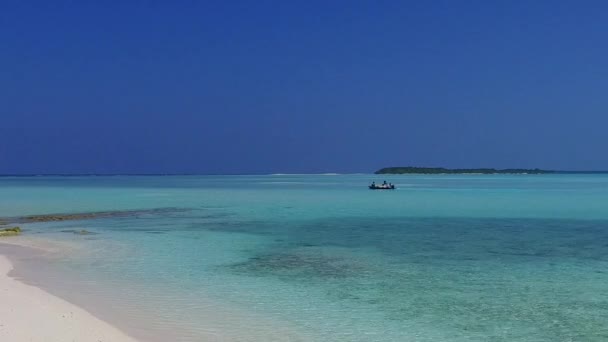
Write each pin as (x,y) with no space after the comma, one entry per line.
(12,231)
(79,232)
(308,262)
(91,215)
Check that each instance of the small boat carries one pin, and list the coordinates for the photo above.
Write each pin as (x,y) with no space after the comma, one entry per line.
(383,186)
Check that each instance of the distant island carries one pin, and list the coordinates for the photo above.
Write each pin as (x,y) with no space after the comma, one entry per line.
(442,170)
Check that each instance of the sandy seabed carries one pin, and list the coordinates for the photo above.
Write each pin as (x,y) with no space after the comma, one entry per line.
(30,314)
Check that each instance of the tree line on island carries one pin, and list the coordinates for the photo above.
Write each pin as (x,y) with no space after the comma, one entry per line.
(442,170)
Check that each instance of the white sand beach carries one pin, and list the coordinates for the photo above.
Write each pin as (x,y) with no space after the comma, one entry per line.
(30,314)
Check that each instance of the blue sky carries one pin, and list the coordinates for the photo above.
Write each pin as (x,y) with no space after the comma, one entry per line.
(310,86)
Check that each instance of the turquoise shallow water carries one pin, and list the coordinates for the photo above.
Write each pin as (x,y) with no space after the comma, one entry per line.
(321,258)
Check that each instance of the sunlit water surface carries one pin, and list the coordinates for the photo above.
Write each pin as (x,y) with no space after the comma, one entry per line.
(322,258)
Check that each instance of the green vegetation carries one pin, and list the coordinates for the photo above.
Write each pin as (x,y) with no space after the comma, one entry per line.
(441,170)
(10,231)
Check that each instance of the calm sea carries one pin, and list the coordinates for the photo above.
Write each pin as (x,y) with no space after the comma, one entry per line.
(322,258)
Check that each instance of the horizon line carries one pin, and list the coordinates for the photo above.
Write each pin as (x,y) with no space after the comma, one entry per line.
(247,174)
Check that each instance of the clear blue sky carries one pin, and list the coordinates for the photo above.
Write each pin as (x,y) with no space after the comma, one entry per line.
(309,86)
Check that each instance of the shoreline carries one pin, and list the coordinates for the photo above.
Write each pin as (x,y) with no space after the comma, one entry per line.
(29,259)
(31,314)
(69,309)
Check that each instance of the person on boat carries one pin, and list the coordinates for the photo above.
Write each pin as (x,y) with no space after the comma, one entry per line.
(373,184)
